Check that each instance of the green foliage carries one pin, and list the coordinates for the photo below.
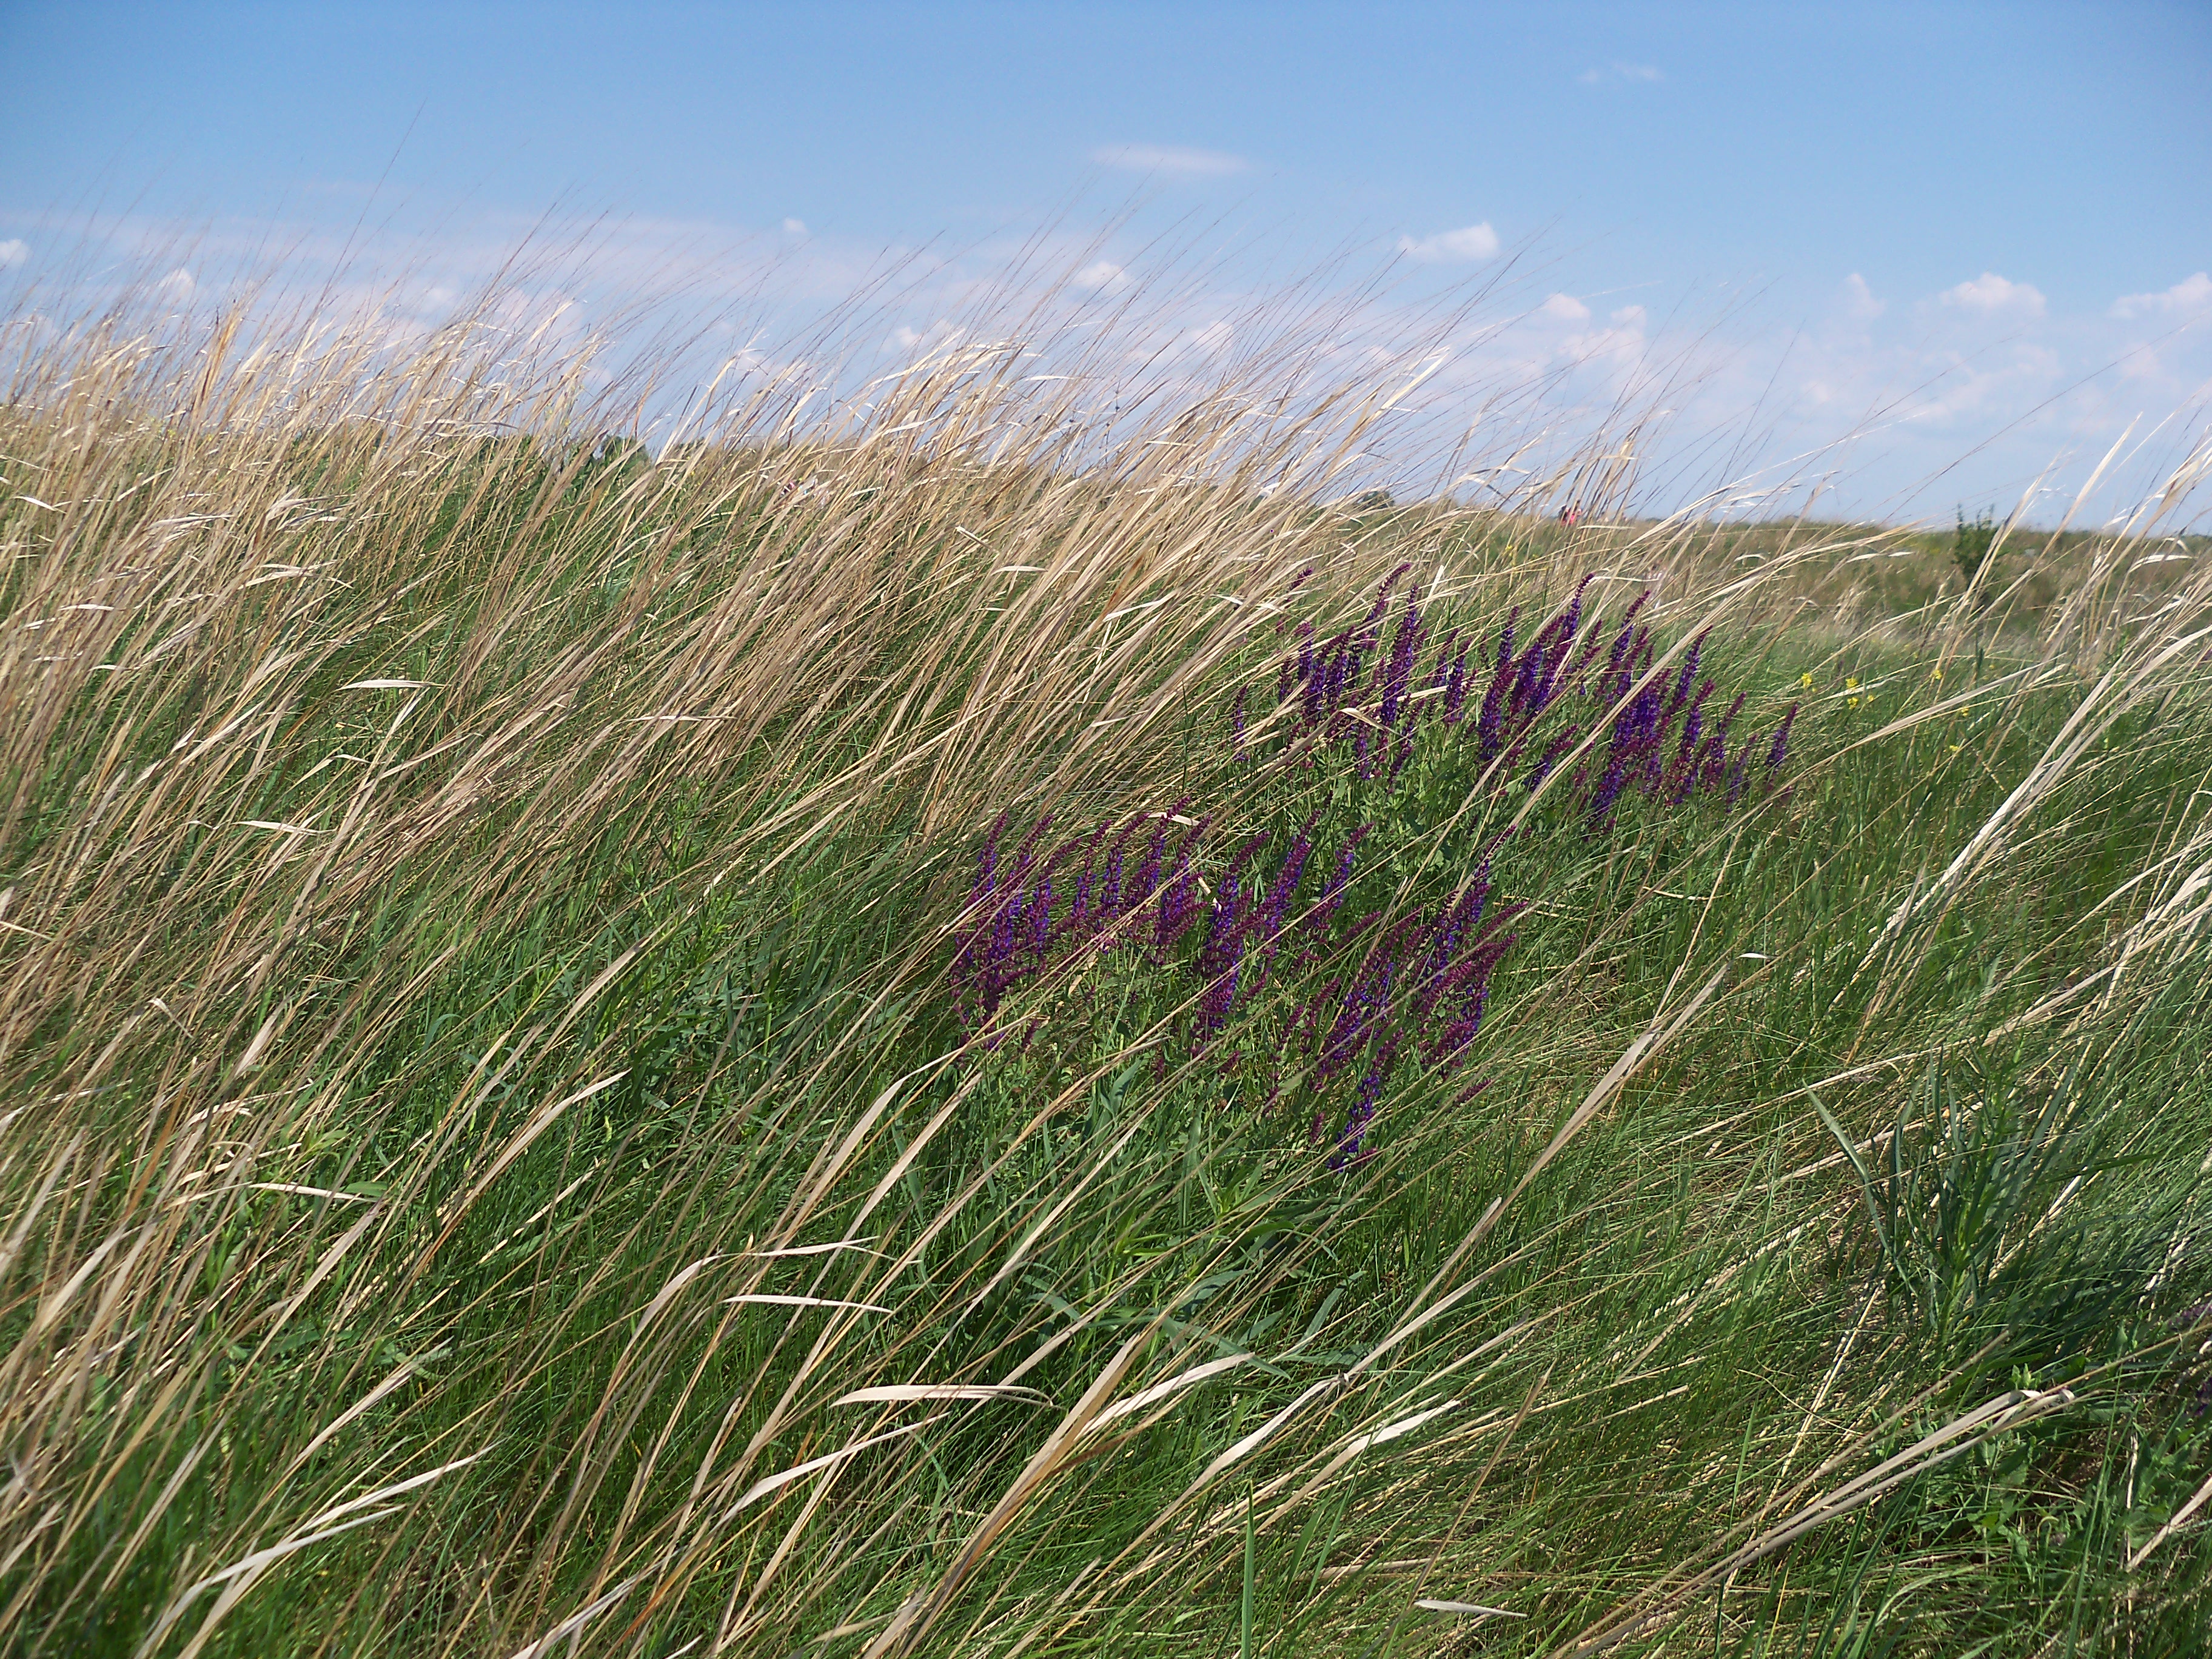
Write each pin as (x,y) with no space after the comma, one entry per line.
(1971,543)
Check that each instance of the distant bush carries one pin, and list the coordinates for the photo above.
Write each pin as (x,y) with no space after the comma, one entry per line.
(1971,543)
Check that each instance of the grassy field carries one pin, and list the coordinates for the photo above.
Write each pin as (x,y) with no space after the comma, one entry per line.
(959,1031)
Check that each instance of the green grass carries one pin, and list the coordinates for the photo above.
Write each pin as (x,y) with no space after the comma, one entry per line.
(1821,1271)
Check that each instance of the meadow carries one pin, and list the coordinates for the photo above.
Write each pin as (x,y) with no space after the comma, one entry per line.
(959,1025)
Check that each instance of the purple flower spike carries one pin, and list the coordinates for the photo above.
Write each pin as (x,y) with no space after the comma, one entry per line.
(1277,904)
(1563,644)
(1365,1011)
(1079,908)
(1487,739)
(1179,899)
(1148,873)
(1693,722)
(1175,907)
(1341,669)
(1397,679)
(1349,1148)
(1558,747)
(1381,606)
(1219,958)
(1456,688)
(1086,913)
(1574,605)
(1688,675)
(1595,638)
(1781,746)
(1109,881)
(1620,664)
(1527,678)
(1608,791)
(1219,996)
(987,861)
(1332,896)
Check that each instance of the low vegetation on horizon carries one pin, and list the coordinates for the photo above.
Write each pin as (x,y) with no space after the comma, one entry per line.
(967,1027)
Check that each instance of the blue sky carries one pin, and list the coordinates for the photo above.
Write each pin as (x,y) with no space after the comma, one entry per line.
(1979,231)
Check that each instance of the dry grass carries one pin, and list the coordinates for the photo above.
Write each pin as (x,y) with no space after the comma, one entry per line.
(483,1174)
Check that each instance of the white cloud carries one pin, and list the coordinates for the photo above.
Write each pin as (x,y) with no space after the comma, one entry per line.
(177,285)
(2192,293)
(1211,340)
(1858,299)
(532,315)
(1628,317)
(2141,364)
(1619,72)
(938,333)
(794,226)
(1991,292)
(1469,243)
(1169,158)
(1102,277)
(1566,308)
(13,253)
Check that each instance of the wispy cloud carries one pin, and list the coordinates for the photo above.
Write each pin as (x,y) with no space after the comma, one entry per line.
(1470,243)
(1169,158)
(1618,74)
(13,253)
(1211,340)
(1989,292)
(2185,298)
(794,226)
(1102,277)
(937,334)
(1903,378)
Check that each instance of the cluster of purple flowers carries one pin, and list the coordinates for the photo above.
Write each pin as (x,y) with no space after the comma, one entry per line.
(1339,701)
(1135,885)
(1023,917)
(1420,984)
(1648,752)
(1330,679)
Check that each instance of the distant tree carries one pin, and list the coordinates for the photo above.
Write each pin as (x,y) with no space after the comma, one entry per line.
(1972,542)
